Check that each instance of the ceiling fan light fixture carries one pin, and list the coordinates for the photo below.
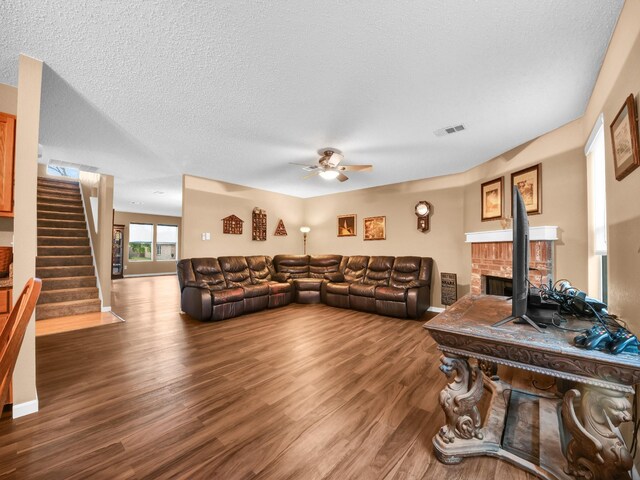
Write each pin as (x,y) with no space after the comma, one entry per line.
(329,174)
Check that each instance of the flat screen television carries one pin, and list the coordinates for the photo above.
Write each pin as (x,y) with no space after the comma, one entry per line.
(520,265)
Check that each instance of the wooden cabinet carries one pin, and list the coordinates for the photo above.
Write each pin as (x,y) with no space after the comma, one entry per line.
(5,303)
(7,150)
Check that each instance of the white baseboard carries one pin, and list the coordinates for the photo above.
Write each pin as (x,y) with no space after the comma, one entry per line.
(26,408)
(436,309)
(150,274)
(105,309)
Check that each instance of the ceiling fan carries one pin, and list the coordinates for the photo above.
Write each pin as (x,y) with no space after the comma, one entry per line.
(329,166)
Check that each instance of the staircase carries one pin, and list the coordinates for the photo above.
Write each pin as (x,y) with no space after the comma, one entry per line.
(64,261)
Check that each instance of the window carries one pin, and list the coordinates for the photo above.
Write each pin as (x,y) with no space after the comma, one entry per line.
(166,242)
(140,242)
(595,151)
(58,171)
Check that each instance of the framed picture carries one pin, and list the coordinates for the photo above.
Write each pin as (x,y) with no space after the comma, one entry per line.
(492,195)
(347,225)
(529,183)
(375,228)
(624,139)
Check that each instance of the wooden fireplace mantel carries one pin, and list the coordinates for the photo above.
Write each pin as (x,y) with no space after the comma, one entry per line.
(546,233)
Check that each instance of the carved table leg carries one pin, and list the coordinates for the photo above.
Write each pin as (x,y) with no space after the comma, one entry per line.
(459,401)
(595,452)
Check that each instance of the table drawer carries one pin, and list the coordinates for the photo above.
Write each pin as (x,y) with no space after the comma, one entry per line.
(5,300)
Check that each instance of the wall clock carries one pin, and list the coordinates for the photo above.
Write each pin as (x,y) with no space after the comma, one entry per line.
(422,211)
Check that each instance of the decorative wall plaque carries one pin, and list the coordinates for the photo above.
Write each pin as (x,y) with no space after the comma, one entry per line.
(448,288)
(281,231)
(232,225)
(259,224)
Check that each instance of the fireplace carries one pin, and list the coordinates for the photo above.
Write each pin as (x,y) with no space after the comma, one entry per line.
(491,257)
(497,286)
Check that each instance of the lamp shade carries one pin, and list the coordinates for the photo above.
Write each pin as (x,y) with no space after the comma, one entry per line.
(329,174)
(305,229)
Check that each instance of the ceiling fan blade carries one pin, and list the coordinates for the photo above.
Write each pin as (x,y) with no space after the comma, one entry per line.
(342,177)
(304,164)
(311,175)
(356,168)
(334,159)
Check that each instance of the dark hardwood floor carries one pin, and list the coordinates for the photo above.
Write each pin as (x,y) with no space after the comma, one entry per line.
(304,392)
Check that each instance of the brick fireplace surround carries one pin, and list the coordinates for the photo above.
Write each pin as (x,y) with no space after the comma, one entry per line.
(491,255)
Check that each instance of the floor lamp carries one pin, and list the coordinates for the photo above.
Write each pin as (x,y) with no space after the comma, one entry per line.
(304,231)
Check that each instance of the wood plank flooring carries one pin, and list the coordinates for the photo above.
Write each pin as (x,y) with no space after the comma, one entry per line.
(51,326)
(301,392)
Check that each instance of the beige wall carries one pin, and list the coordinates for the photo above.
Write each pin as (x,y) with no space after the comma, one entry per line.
(8,104)
(146,268)
(25,221)
(206,202)
(619,77)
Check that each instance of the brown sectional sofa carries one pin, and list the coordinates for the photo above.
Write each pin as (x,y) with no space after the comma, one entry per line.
(216,289)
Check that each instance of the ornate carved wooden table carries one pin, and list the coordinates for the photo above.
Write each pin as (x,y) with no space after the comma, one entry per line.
(578,434)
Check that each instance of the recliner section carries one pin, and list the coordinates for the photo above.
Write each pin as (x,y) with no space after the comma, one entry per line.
(216,289)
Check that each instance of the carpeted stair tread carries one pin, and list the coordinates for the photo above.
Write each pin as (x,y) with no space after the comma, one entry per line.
(65,271)
(62,215)
(62,283)
(59,222)
(58,207)
(76,202)
(62,232)
(58,183)
(67,295)
(63,260)
(63,309)
(50,241)
(63,250)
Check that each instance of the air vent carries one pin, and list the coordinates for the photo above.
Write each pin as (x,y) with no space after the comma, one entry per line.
(449,130)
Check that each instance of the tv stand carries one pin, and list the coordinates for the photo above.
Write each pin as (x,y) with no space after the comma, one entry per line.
(523,318)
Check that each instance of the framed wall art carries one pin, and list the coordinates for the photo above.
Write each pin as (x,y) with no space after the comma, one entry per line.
(529,182)
(375,228)
(624,139)
(492,193)
(347,225)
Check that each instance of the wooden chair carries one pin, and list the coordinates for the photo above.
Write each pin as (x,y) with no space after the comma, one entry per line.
(12,334)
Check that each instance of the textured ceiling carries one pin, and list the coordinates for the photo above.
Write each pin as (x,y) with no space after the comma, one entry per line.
(234,90)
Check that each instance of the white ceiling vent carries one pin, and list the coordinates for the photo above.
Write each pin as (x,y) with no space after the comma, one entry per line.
(449,130)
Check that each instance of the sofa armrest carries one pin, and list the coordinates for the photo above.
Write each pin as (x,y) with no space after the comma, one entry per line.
(418,301)
(281,277)
(195,284)
(334,277)
(196,302)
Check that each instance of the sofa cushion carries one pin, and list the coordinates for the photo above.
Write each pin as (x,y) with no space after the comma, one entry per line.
(275,287)
(235,270)
(338,288)
(321,264)
(260,268)
(297,266)
(391,293)
(362,289)
(308,284)
(354,267)
(257,290)
(208,270)
(379,270)
(406,273)
(227,295)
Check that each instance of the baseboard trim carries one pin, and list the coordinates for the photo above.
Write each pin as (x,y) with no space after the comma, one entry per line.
(436,309)
(105,309)
(26,408)
(150,274)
